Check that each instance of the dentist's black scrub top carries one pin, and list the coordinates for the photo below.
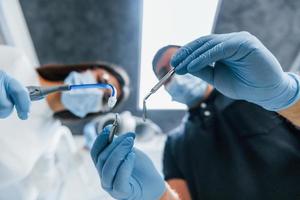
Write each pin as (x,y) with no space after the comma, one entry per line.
(235,150)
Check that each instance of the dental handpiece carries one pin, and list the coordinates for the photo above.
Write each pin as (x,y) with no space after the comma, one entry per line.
(37,93)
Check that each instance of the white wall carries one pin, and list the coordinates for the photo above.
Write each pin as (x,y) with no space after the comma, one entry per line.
(170,22)
(14,29)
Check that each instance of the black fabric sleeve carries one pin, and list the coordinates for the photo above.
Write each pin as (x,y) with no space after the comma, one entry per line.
(170,164)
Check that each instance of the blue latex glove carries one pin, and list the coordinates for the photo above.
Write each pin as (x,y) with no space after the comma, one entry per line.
(244,69)
(126,172)
(12,93)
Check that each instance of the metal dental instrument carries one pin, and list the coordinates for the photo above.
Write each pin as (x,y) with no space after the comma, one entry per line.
(144,110)
(37,93)
(160,83)
(113,129)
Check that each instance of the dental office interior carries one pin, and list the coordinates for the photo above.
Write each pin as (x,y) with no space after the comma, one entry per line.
(48,156)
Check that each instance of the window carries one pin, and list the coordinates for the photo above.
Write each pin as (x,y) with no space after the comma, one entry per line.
(170,22)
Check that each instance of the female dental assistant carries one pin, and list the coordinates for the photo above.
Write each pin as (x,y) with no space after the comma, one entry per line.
(32,165)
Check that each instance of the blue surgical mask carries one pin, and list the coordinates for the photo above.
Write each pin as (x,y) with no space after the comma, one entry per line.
(186,89)
(82,102)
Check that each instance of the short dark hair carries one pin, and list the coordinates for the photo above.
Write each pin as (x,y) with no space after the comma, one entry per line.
(160,53)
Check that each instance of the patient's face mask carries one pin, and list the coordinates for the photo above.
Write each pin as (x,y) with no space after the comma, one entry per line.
(82,102)
(186,89)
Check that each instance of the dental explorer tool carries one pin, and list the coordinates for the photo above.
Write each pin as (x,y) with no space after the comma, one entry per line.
(160,83)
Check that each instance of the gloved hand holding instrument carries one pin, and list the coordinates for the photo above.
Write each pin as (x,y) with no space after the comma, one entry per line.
(243,69)
(125,172)
(13,94)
